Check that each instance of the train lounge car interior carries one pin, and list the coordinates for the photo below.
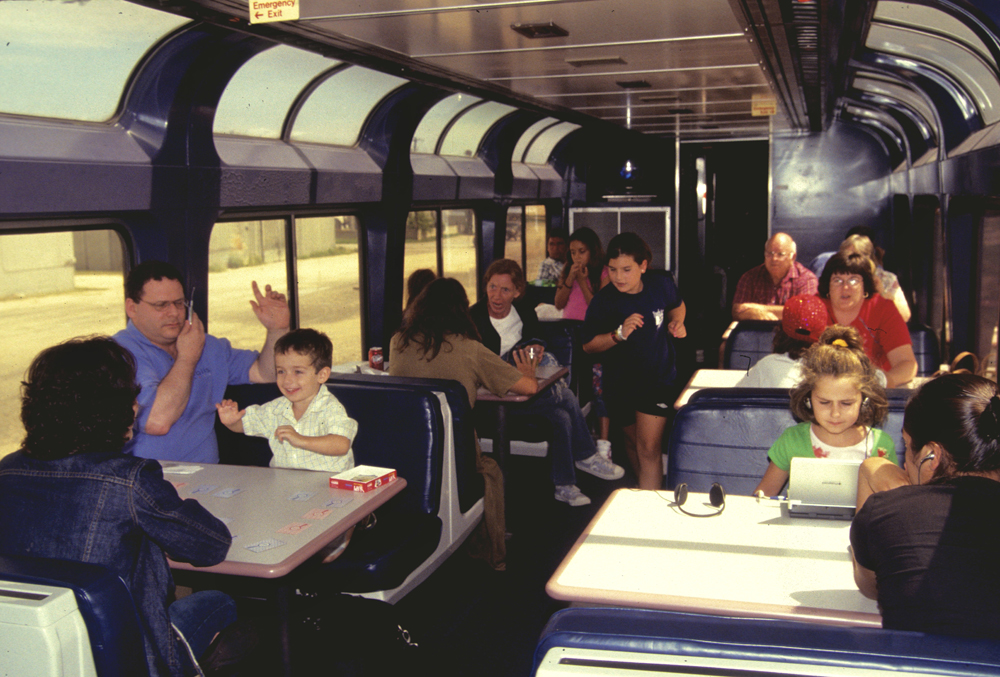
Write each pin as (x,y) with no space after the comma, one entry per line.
(392,135)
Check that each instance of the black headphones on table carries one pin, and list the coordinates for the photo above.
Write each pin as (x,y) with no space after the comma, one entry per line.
(716,496)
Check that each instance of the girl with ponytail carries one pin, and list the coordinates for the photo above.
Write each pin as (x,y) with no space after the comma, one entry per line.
(840,400)
(925,540)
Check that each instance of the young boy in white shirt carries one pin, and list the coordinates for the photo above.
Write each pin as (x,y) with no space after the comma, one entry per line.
(307,428)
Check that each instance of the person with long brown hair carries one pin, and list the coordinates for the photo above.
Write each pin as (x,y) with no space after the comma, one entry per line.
(438,339)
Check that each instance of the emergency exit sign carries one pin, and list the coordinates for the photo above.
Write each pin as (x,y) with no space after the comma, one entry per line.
(264,11)
(763,105)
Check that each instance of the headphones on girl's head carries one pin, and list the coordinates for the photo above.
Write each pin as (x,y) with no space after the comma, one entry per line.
(716,496)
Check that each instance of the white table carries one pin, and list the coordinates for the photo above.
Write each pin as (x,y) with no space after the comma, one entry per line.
(708,378)
(269,500)
(295,512)
(752,560)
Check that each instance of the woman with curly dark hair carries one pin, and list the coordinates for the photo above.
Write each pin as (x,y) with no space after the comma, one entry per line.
(848,289)
(70,493)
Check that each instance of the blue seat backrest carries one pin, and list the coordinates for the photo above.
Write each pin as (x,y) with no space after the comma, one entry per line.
(749,341)
(723,435)
(801,646)
(925,349)
(105,604)
(398,427)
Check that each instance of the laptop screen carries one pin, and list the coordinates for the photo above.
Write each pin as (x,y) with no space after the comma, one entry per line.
(823,482)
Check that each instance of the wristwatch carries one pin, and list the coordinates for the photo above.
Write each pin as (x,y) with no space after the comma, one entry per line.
(617,336)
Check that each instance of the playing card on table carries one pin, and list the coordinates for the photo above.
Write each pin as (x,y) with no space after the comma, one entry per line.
(266,544)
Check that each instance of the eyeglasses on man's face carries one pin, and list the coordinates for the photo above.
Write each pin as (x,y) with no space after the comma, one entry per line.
(777,256)
(853,281)
(162,306)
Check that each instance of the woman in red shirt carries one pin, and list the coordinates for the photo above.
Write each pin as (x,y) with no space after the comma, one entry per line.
(847,286)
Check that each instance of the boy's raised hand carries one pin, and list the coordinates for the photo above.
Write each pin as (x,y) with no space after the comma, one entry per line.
(229,412)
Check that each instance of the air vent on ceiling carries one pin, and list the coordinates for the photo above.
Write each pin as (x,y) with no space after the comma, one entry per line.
(633,84)
(596,61)
(540,30)
(680,111)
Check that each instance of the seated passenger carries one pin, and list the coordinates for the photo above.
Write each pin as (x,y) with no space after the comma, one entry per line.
(583,276)
(416,282)
(552,267)
(802,321)
(438,339)
(840,401)
(633,323)
(886,283)
(182,371)
(70,493)
(924,540)
(504,323)
(848,288)
(307,427)
(762,291)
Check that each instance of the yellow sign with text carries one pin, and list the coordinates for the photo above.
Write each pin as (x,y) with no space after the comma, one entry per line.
(763,104)
(264,11)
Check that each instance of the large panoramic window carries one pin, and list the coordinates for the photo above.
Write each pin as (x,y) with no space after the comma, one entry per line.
(443,241)
(240,253)
(526,238)
(336,111)
(328,272)
(282,72)
(71,60)
(464,137)
(53,286)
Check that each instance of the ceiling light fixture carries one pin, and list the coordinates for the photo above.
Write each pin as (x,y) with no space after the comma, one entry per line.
(540,30)
(633,84)
(597,61)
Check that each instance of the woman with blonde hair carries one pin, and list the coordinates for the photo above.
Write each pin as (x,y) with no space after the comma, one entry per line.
(886,283)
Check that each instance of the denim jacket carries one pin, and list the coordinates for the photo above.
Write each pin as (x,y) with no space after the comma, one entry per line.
(118,511)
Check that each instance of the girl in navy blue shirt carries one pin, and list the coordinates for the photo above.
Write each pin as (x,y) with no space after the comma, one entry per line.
(632,323)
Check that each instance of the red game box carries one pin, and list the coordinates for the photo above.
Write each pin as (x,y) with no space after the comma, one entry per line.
(362,478)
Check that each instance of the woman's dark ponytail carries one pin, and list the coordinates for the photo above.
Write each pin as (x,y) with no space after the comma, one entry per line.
(989,421)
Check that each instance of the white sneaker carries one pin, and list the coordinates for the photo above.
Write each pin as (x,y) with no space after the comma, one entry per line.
(604,448)
(570,493)
(601,467)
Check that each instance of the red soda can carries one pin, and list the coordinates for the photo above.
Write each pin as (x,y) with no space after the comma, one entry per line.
(375,358)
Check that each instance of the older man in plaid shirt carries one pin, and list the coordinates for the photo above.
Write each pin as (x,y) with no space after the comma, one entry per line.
(762,291)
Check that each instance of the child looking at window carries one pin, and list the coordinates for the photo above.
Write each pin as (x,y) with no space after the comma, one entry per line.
(839,400)
(308,428)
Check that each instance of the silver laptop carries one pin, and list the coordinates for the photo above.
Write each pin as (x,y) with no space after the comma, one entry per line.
(823,488)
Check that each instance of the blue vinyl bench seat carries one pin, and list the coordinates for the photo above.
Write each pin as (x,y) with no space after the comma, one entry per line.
(640,642)
(750,340)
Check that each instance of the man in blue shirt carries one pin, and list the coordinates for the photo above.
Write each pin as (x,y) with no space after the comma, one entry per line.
(182,371)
